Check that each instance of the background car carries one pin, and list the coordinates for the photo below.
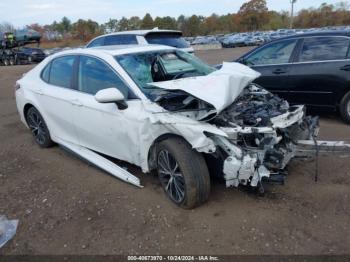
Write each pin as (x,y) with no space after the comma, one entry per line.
(29,55)
(311,69)
(143,37)
(206,40)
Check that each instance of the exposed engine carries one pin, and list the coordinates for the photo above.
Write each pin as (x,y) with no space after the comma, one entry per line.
(263,132)
(254,107)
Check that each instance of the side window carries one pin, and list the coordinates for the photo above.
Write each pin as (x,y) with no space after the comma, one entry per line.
(97,42)
(324,48)
(121,40)
(62,71)
(275,53)
(45,74)
(95,75)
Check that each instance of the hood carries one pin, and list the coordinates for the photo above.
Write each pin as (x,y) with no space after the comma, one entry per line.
(220,88)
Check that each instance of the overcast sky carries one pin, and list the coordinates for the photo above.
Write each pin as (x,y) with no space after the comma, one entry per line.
(23,12)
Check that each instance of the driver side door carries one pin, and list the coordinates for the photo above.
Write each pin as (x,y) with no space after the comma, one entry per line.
(106,127)
(273,61)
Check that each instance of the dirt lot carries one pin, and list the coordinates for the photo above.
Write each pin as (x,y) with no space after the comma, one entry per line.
(65,206)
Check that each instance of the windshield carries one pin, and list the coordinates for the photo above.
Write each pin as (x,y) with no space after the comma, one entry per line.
(167,39)
(145,68)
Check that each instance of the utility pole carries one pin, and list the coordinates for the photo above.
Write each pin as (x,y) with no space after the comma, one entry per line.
(292,12)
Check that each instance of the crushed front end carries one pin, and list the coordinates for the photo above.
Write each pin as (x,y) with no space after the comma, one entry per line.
(262,133)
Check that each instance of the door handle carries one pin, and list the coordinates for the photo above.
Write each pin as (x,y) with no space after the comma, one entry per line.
(279,71)
(345,68)
(76,102)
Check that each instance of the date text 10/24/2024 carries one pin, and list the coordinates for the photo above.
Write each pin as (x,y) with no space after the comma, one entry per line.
(173,258)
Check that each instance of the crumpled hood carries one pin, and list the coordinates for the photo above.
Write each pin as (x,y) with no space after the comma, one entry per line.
(220,88)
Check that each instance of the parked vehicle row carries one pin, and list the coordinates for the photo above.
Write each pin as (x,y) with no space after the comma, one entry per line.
(255,38)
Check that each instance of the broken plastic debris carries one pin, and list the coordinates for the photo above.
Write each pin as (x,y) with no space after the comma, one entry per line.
(7,229)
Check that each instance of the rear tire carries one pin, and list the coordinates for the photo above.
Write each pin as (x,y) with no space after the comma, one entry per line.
(39,128)
(344,108)
(184,176)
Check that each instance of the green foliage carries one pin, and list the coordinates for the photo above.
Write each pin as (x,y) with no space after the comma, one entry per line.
(325,15)
(253,15)
(111,26)
(166,22)
(147,22)
(85,29)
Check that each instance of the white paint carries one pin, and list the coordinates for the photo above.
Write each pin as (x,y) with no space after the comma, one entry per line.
(220,88)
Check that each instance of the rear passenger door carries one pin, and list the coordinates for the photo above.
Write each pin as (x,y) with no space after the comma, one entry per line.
(273,62)
(57,97)
(320,74)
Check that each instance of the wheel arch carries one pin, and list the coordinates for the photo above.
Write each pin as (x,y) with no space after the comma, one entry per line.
(342,95)
(26,107)
(153,148)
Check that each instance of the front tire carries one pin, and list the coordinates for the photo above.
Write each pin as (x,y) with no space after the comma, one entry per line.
(345,108)
(39,128)
(183,173)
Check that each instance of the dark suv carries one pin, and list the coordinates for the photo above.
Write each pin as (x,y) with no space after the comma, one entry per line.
(311,69)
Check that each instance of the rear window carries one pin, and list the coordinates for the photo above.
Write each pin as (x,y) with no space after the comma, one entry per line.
(61,72)
(97,42)
(120,40)
(174,40)
(45,75)
(324,48)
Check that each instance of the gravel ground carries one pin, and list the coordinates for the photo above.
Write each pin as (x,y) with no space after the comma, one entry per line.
(66,206)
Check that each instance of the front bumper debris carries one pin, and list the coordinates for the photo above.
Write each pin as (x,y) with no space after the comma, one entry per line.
(262,154)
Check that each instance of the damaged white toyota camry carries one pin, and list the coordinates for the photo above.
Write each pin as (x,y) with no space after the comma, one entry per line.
(163,109)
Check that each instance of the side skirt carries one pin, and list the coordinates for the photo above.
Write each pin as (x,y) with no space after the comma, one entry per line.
(102,163)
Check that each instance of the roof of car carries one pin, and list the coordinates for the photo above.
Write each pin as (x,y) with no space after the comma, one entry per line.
(144,32)
(115,50)
(139,32)
(303,35)
(318,33)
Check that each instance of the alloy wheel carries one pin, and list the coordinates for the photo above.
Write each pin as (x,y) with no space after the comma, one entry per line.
(37,127)
(171,177)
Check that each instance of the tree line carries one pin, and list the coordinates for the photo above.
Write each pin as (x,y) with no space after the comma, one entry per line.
(252,16)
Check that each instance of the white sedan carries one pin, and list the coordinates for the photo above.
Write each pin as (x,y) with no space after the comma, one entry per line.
(162,109)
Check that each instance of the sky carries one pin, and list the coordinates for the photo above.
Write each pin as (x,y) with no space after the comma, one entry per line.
(24,12)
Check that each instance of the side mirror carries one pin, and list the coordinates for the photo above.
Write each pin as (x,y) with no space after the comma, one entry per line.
(111,95)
